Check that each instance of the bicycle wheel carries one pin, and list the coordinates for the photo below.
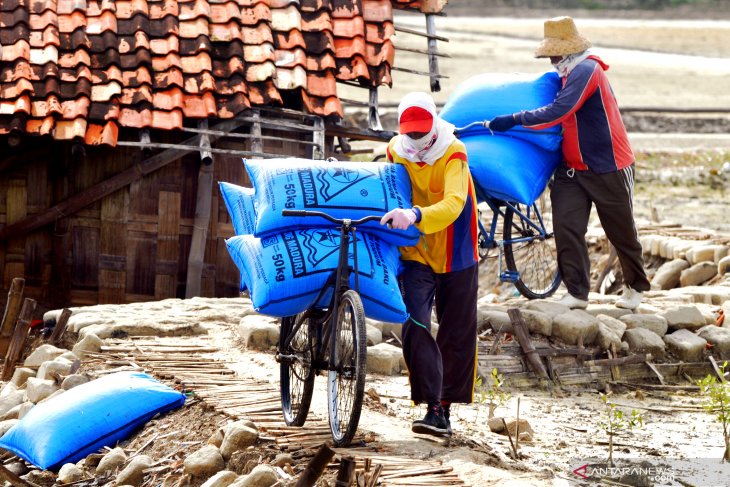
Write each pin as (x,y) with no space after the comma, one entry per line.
(346,380)
(535,260)
(296,374)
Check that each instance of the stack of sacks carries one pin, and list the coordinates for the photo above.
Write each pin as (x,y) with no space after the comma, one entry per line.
(514,165)
(285,261)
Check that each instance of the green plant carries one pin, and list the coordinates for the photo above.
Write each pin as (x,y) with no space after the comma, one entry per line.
(616,420)
(717,401)
(493,395)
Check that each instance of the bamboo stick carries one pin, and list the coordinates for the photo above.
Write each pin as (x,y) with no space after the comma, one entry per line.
(60,327)
(15,350)
(10,315)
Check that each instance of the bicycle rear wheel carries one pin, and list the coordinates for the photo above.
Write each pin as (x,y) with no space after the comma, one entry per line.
(346,380)
(296,373)
(535,260)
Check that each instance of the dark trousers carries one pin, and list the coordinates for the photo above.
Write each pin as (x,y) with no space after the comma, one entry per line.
(444,368)
(612,193)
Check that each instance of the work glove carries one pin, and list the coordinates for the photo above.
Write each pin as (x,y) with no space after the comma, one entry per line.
(399,218)
(502,123)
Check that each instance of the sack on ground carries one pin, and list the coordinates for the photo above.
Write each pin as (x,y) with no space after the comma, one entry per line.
(509,168)
(87,418)
(485,96)
(285,272)
(340,189)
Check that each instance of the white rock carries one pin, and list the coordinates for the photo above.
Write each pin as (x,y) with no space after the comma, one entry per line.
(42,354)
(374,335)
(70,473)
(110,462)
(496,320)
(655,323)
(258,332)
(24,408)
(260,476)
(133,474)
(688,317)
(6,425)
(724,265)
(90,343)
(697,274)
(205,461)
(51,369)
(11,400)
(73,380)
(575,327)
(538,322)
(607,309)
(21,375)
(704,253)
(550,308)
(667,276)
(610,331)
(719,337)
(685,345)
(38,389)
(237,436)
(385,359)
(224,478)
(644,340)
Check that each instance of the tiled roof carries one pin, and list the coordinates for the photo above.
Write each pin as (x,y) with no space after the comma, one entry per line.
(85,68)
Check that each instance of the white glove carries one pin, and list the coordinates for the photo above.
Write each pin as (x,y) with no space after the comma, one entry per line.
(399,218)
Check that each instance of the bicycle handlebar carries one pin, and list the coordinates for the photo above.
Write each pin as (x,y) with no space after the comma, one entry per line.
(483,123)
(338,221)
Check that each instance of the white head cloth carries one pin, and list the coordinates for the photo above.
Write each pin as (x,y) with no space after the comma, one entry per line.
(433,145)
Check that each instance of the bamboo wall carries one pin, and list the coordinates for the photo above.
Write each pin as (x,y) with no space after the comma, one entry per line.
(132,245)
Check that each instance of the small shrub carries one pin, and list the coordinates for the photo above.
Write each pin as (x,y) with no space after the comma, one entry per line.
(717,401)
(616,420)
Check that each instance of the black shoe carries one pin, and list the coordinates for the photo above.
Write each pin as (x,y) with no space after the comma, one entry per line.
(433,423)
(447,417)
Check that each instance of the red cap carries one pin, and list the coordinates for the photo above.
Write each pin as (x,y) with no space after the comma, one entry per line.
(415,119)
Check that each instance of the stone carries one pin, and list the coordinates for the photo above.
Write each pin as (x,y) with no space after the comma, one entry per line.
(496,320)
(133,474)
(385,359)
(12,413)
(258,332)
(89,344)
(610,331)
(550,308)
(716,295)
(41,478)
(390,329)
(21,375)
(719,338)
(260,476)
(373,335)
(644,340)
(54,369)
(685,345)
(42,354)
(24,409)
(688,317)
(216,439)
(6,425)
(18,468)
(607,309)
(205,461)
(575,327)
(57,392)
(703,253)
(38,389)
(723,266)
(70,473)
(284,459)
(667,276)
(110,462)
(11,400)
(655,323)
(237,436)
(73,380)
(224,478)
(538,322)
(697,274)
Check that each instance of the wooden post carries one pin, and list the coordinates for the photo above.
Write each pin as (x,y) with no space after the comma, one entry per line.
(318,139)
(12,307)
(433,64)
(60,327)
(14,479)
(19,336)
(200,228)
(316,467)
(345,473)
(523,337)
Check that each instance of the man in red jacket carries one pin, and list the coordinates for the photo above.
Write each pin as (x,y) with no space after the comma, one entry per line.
(598,164)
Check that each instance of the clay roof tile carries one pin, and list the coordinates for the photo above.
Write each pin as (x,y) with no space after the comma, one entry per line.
(264,93)
(107,21)
(70,22)
(97,134)
(158,10)
(377,10)
(168,99)
(196,64)
(348,27)
(199,83)
(322,106)
(167,120)
(164,79)
(194,9)
(286,19)
(10,35)
(260,72)
(40,126)
(290,78)
(222,13)
(257,35)
(255,14)
(322,84)
(16,89)
(105,92)
(48,54)
(75,58)
(137,77)
(202,106)
(77,107)
(259,54)
(314,5)
(320,62)
(316,21)
(69,6)
(289,39)
(226,32)
(229,107)
(194,28)
(38,22)
(346,8)
(165,45)
(377,32)
(70,129)
(288,58)
(11,52)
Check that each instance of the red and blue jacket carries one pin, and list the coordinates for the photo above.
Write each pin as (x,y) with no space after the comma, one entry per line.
(594,136)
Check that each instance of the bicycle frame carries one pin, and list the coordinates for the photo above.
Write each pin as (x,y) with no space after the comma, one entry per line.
(496,206)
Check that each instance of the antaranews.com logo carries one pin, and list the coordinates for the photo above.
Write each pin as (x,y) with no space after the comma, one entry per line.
(658,472)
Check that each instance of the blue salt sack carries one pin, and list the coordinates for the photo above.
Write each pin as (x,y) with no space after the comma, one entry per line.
(239,201)
(87,418)
(485,96)
(285,272)
(509,168)
(341,189)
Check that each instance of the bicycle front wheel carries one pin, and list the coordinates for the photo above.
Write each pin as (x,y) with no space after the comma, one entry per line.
(346,378)
(296,373)
(530,253)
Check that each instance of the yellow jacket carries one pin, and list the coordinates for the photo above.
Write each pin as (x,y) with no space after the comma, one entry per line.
(444,193)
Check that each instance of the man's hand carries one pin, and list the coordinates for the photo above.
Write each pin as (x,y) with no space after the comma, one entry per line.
(399,218)
(502,123)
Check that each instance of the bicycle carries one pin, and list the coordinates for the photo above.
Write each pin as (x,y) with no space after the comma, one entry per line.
(331,339)
(527,241)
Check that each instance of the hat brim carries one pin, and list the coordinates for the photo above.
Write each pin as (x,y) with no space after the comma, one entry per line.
(562,47)
(416,126)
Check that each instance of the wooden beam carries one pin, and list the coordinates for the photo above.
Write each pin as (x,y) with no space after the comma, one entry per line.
(523,337)
(107,187)
(360,134)
(20,334)
(315,467)
(433,62)
(12,308)
(419,33)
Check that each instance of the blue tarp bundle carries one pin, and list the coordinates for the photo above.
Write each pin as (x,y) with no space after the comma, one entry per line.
(514,165)
(87,418)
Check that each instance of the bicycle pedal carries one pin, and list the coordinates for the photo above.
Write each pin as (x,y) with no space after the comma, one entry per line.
(509,276)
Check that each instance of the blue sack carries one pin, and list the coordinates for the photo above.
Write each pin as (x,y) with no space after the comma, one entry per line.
(509,168)
(285,272)
(87,418)
(488,95)
(239,202)
(340,189)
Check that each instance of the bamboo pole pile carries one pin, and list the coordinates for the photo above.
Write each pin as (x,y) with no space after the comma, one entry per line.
(401,471)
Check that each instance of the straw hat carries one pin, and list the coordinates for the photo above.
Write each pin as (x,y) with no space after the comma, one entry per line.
(561,38)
